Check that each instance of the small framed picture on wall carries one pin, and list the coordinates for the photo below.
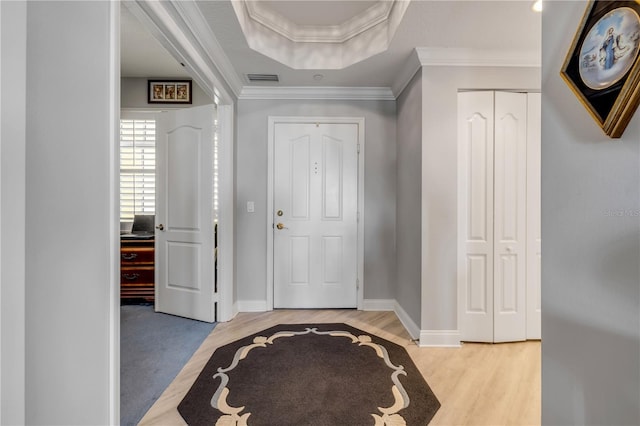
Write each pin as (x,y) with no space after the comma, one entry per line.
(169,92)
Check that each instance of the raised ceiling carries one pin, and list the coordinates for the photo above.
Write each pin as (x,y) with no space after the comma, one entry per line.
(477,25)
(342,33)
(313,13)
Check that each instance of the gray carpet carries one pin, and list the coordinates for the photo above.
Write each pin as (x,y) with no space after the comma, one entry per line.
(153,349)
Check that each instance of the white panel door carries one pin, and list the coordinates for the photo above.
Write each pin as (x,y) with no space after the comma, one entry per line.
(315,215)
(475,209)
(510,189)
(184,213)
(534,235)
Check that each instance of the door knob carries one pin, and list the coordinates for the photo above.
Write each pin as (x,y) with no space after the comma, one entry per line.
(280,226)
(160,227)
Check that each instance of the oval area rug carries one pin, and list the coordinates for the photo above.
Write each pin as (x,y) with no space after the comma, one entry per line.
(309,374)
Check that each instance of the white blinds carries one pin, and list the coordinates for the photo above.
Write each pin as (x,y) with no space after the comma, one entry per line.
(137,168)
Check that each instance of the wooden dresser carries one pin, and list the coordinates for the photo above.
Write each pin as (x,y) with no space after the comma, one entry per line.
(137,270)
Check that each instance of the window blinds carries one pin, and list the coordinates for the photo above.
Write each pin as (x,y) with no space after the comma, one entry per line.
(137,168)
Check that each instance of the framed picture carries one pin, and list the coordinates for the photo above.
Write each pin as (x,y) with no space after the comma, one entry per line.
(602,66)
(169,92)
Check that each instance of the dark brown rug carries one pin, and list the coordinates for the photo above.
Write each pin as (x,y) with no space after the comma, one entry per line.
(310,374)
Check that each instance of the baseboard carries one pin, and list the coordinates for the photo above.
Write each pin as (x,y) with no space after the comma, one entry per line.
(252,306)
(378,304)
(411,327)
(440,338)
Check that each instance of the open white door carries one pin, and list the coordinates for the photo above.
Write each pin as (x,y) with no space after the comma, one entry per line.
(184,213)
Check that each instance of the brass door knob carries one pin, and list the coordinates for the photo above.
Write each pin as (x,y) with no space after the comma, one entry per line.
(280,226)
(160,227)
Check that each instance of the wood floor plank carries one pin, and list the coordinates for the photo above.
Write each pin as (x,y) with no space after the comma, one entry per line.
(477,384)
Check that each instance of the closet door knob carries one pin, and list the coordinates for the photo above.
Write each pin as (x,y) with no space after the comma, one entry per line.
(160,227)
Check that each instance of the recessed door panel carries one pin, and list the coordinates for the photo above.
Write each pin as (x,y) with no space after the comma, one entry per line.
(332,259)
(507,284)
(184,269)
(331,178)
(477,284)
(299,260)
(300,177)
(479,148)
(184,150)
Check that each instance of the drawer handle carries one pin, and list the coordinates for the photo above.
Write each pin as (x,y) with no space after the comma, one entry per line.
(131,277)
(129,256)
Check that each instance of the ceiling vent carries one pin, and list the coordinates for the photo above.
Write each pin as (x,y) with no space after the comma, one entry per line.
(263,77)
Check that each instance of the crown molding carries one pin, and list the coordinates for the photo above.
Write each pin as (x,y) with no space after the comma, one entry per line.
(459,57)
(319,50)
(340,33)
(183,31)
(208,44)
(316,93)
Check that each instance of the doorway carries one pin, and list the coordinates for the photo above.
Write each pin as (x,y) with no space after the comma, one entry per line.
(314,215)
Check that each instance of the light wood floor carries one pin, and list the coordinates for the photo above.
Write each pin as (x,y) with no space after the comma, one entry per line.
(477,384)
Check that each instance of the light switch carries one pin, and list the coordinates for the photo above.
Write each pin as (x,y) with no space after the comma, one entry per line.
(250,207)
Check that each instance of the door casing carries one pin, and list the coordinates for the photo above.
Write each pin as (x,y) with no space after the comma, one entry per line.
(359,121)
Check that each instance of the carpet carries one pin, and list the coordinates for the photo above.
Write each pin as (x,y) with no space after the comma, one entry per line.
(310,374)
(153,349)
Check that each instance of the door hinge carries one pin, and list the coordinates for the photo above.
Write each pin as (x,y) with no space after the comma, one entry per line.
(358,217)
(357,283)
(358,148)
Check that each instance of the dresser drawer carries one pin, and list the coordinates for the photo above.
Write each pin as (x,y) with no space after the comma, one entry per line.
(137,275)
(134,255)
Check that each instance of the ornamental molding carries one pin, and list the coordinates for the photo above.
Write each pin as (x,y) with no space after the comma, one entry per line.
(319,46)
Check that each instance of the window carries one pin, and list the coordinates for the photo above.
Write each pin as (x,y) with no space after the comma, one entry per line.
(137,168)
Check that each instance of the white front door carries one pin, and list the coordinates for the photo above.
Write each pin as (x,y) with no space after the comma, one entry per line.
(184,213)
(315,215)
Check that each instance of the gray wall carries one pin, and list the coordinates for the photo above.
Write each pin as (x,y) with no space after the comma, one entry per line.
(71,234)
(379,189)
(13,38)
(591,249)
(439,178)
(408,201)
(133,95)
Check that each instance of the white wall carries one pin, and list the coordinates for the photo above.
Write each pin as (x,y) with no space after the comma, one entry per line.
(71,220)
(133,95)
(408,202)
(13,40)
(440,85)
(591,250)
(379,188)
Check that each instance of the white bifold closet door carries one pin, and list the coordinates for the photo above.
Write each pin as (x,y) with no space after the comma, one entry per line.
(492,222)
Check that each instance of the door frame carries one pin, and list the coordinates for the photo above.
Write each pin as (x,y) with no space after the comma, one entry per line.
(273,120)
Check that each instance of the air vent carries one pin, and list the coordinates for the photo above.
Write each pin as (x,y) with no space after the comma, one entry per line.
(263,77)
